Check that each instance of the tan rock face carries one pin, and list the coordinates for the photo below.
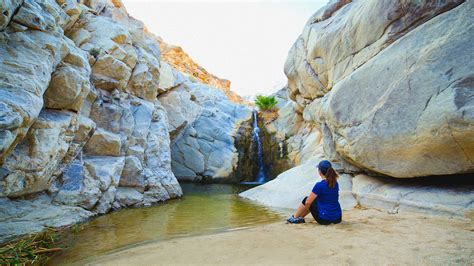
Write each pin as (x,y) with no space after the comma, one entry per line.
(143,81)
(391,98)
(69,84)
(323,56)
(103,143)
(180,60)
(110,73)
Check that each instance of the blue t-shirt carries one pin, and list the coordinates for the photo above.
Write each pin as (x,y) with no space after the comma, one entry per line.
(328,201)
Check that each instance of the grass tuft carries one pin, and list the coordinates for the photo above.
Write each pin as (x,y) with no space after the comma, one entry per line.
(32,249)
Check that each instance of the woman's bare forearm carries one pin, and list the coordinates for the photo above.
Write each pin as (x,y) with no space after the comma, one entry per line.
(310,200)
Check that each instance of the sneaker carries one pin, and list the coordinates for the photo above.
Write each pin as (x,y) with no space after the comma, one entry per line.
(293,220)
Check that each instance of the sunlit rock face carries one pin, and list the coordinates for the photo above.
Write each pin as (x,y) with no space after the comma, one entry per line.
(180,60)
(82,130)
(388,85)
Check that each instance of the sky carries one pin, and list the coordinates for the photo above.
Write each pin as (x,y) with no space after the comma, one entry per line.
(246,42)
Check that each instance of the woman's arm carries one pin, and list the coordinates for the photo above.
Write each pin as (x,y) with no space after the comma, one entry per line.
(310,200)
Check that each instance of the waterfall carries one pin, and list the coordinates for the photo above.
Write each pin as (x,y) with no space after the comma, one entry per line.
(261,175)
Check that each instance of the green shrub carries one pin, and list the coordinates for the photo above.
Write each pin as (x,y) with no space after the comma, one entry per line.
(265,102)
(94,52)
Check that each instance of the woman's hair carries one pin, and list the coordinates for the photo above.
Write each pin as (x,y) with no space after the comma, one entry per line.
(331,177)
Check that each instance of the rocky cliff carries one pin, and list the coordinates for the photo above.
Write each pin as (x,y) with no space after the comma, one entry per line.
(180,60)
(91,116)
(204,128)
(383,88)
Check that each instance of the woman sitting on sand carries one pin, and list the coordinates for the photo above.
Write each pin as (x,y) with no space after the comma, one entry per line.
(323,201)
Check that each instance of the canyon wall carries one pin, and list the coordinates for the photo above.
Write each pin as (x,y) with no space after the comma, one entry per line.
(383,88)
(204,128)
(91,116)
(180,60)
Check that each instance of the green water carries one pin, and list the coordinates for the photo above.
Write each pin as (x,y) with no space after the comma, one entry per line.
(204,209)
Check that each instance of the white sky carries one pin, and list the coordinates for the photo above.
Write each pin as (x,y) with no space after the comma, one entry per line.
(246,42)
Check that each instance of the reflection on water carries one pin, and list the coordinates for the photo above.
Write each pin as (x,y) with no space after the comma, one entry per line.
(204,209)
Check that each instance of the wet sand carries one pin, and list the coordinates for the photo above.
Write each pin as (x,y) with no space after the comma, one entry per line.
(364,237)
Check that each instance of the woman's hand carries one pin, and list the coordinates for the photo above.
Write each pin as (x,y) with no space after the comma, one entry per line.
(310,200)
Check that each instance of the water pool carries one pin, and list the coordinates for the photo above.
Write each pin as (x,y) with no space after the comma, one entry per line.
(204,209)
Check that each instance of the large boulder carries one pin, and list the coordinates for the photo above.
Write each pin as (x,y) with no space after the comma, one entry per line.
(323,55)
(103,143)
(395,98)
(289,188)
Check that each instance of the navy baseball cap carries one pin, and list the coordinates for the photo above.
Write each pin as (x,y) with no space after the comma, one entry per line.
(324,165)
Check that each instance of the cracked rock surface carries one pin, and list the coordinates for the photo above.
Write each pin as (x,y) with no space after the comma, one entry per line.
(204,127)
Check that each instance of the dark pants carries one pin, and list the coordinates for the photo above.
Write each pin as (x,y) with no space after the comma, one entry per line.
(315,213)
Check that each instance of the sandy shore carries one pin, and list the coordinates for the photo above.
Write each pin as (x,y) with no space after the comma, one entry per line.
(364,237)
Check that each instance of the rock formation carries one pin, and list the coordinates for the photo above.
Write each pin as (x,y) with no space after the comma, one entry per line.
(398,90)
(87,108)
(180,60)
(204,128)
(383,88)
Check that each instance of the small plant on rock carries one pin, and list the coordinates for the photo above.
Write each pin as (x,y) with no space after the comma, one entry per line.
(94,52)
(266,103)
